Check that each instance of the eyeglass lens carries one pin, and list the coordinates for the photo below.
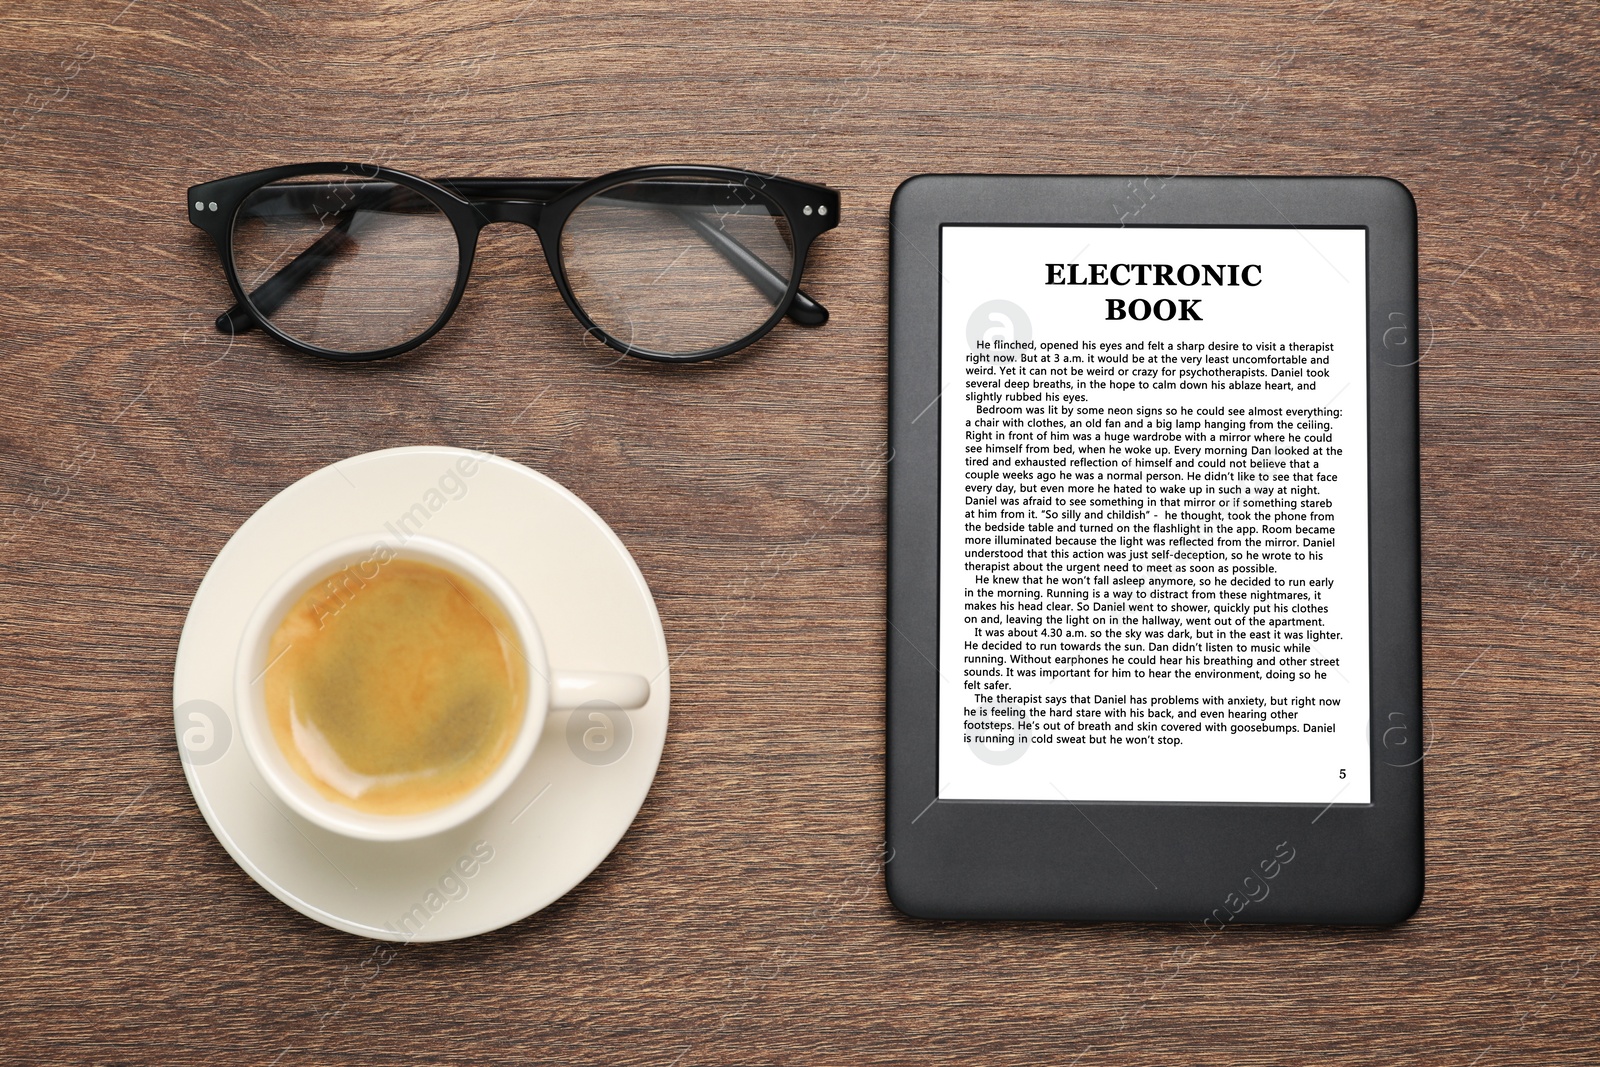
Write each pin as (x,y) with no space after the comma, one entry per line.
(344,263)
(677,266)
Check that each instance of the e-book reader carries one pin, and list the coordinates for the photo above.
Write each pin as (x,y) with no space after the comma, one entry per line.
(1154,625)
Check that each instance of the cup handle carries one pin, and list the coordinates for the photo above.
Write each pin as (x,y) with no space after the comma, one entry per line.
(573,689)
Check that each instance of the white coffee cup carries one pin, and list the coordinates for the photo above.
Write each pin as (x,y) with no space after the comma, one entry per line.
(547,689)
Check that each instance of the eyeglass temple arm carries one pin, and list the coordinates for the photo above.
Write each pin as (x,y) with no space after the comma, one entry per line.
(269,297)
(804,310)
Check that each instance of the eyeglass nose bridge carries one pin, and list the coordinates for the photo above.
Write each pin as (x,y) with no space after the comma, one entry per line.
(526,212)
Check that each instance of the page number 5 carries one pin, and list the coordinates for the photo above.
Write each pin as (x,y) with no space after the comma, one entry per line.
(1341,772)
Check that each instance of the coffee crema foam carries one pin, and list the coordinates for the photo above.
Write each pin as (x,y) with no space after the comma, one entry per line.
(397,693)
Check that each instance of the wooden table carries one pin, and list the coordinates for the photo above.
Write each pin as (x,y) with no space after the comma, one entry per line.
(743,919)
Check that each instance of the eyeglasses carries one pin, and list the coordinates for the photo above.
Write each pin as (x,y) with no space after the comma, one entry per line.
(356,262)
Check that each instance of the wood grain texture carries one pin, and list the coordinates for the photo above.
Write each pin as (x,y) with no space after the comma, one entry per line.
(743,919)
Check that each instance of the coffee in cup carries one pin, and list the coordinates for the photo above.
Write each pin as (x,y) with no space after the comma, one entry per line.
(397,690)
(392,691)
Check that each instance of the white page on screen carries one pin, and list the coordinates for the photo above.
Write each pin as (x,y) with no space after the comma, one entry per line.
(1153,515)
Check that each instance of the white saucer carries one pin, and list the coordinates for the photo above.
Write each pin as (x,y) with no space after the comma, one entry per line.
(586,780)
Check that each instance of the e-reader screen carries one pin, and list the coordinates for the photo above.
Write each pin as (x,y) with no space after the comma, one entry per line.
(1153,514)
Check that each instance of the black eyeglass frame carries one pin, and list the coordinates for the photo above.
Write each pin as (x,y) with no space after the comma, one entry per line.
(543,205)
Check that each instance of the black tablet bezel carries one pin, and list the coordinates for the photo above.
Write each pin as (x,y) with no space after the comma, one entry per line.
(1207,863)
